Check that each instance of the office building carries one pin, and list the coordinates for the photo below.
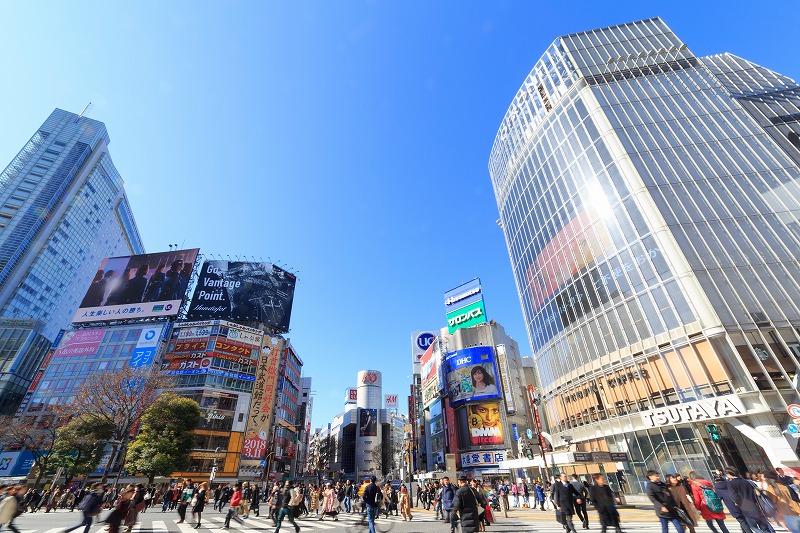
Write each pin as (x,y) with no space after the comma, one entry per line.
(62,209)
(649,201)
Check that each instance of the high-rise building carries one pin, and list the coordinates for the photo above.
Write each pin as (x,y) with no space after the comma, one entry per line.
(649,200)
(62,209)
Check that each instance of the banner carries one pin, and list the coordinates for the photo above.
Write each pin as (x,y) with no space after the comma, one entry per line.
(138,286)
(391,401)
(233,290)
(368,422)
(472,375)
(485,426)
(262,401)
(80,342)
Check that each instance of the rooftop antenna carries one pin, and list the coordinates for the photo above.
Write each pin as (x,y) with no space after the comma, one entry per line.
(85,109)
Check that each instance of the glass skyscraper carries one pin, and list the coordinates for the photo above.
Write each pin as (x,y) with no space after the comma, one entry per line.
(649,200)
(62,209)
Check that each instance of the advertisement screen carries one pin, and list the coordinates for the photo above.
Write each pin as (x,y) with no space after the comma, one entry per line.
(368,422)
(472,375)
(138,286)
(485,427)
(233,290)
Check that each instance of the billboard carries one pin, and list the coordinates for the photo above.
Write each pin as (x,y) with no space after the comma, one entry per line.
(391,401)
(472,375)
(138,286)
(80,342)
(146,346)
(368,422)
(420,341)
(236,290)
(464,306)
(485,426)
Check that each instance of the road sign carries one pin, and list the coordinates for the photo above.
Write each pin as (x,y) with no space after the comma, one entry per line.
(793,410)
(530,434)
(793,429)
(796,421)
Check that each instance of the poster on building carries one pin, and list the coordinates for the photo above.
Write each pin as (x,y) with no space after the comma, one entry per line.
(390,401)
(472,375)
(368,422)
(146,347)
(259,418)
(249,291)
(80,342)
(138,286)
(485,425)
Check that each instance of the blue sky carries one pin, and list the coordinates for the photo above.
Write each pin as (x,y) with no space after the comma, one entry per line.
(348,140)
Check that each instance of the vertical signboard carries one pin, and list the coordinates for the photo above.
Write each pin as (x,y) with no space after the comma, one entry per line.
(259,419)
(505,378)
(430,362)
(464,306)
(351,395)
(145,350)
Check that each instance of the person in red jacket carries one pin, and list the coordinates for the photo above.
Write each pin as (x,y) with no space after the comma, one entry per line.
(236,501)
(697,483)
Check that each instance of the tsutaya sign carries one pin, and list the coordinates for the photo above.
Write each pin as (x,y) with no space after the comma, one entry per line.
(708,409)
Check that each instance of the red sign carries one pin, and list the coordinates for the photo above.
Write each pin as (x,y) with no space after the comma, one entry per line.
(190,346)
(353,394)
(794,410)
(233,347)
(369,378)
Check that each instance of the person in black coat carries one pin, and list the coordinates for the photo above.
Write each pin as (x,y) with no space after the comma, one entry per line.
(466,506)
(565,497)
(604,501)
(663,502)
(723,490)
(744,495)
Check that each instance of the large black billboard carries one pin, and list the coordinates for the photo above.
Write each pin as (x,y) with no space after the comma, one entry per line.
(243,291)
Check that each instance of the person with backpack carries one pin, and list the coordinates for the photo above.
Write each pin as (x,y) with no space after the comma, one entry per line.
(745,496)
(707,502)
(788,509)
(90,506)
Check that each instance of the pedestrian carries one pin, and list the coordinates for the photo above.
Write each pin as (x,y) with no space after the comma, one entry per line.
(502,493)
(514,495)
(236,501)
(371,497)
(565,497)
(722,488)
(483,504)
(167,498)
(437,500)
(539,489)
(184,499)
(788,509)
(136,507)
(404,502)
(605,502)
(707,502)
(290,499)
(744,494)
(11,507)
(247,493)
(198,503)
(683,501)
(314,499)
(580,508)
(330,503)
(465,507)
(663,502)
(255,500)
(91,503)
(120,512)
(448,495)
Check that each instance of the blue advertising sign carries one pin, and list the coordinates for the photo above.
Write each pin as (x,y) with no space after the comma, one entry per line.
(463,295)
(472,375)
(515,431)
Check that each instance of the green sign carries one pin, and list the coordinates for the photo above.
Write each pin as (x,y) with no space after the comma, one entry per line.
(467,316)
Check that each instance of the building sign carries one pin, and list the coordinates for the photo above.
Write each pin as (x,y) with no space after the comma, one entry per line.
(582,457)
(430,393)
(236,290)
(138,286)
(259,418)
(146,347)
(472,375)
(371,378)
(430,363)
(351,395)
(483,459)
(15,464)
(619,456)
(464,306)
(485,426)
(708,409)
(80,342)
(391,401)
(505,377)
(465,317)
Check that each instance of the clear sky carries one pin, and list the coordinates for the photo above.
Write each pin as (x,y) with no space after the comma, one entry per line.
(349,140)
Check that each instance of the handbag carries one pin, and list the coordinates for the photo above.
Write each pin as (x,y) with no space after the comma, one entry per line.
(683,517)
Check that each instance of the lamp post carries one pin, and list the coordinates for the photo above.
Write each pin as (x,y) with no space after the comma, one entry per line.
(214,465)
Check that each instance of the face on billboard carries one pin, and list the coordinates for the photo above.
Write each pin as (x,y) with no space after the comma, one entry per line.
(472,375)
(138,286)
(368,422)
(485,426)
(230,290)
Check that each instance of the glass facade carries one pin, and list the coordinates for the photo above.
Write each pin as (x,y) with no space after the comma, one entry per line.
(649,201)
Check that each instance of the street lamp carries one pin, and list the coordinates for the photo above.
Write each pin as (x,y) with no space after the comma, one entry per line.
(214,465)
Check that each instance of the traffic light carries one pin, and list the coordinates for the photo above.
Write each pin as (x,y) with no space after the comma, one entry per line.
(713,432)
(528,453)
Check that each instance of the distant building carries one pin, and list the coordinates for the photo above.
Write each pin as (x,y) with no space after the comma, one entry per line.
(62,209)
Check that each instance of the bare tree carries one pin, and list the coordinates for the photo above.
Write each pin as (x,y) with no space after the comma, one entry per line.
(378,458)
(35,436)
(119,399)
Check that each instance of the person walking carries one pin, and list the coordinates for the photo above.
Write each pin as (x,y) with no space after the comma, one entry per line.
(255,500)
(136,507)
(483,504)
(565,497)
(580,508)
(539,489)
(404,502)
(11,507)
(247,493)
(236,501)
(744,494)
(788,508)
(465,508)
(167,499)
(448,495)
(290,498)
(90,506)
(330,503)
(703,494)
(123,505)
(502,492)
(663,502)
(314,500)
(184,498)
(605,502)
(722,489)
(437,500)
(371,496)
(683,501)
(198,503)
